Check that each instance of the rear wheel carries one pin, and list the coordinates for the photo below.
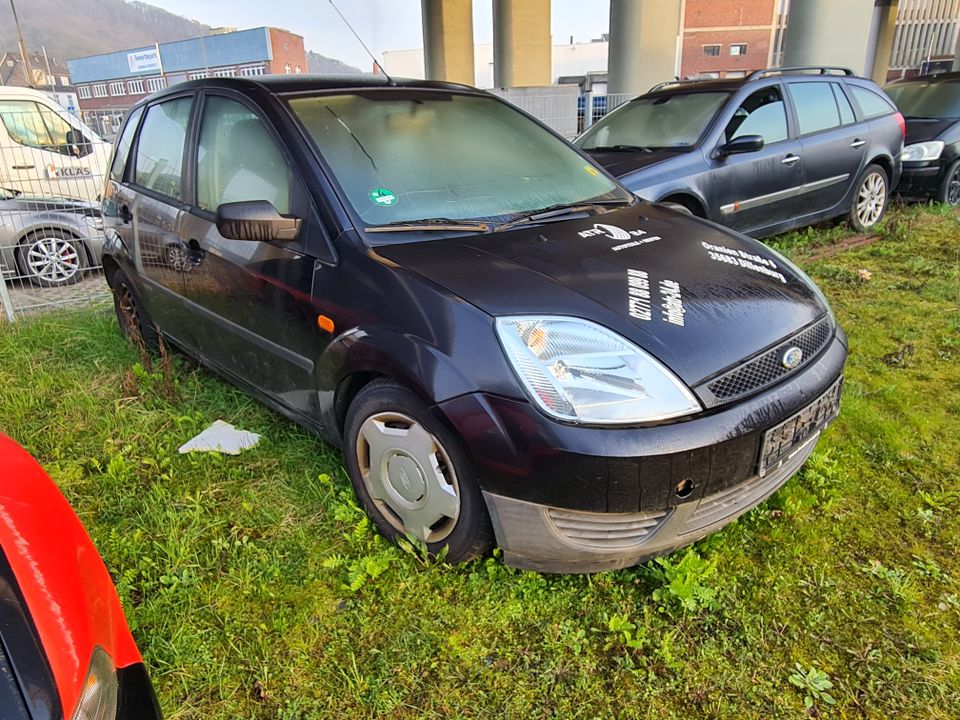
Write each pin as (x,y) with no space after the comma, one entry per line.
(870,199)
(52,258)
(950,188)
(410,474)
(131,316)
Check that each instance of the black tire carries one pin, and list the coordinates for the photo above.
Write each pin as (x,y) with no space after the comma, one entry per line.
(870,201)
(52,258)
(131,313)
(466,536)
(950,187)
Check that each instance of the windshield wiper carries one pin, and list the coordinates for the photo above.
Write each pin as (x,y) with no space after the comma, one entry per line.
(557,213)
(620,148)
(432,225)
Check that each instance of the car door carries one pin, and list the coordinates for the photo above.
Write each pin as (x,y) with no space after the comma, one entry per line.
(754,190)
(832,142)
(251,299)
(155,207)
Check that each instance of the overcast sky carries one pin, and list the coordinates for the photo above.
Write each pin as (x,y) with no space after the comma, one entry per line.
(383,24)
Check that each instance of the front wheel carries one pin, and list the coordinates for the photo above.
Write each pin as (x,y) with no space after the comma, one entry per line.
(950,189)
(52,258)
(132,317)
(870,199)
(410,474)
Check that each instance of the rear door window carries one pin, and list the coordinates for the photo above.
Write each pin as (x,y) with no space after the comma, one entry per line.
(123,146)
(871,104)
(843,104)
(159,158)
(762,113)
(816,106)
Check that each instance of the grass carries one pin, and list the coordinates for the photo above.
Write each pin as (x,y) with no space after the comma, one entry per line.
(256,588)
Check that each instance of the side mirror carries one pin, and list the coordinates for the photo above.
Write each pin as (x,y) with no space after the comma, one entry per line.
(255,220)
(742,144)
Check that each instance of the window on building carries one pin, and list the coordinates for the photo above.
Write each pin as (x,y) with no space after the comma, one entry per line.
(199,75)
(250,71)
(287,68)
(237,159)
(83,92)
(135,87)
(117,88)
(738,49)
(159,161)
(816,106)
(51,81)
(224,72)
(763,114)
(709,75)
(156,83)
(299,70)
(100,90)
(735,73)
(64,80)
(711,50)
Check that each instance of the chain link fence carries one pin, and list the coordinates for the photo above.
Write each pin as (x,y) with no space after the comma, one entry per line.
(52,168)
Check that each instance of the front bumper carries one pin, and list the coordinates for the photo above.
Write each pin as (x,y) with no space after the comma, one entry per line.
(543,480)
(920,180)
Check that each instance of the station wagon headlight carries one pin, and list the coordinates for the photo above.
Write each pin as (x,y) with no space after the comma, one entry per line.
(579,371)
(919,152)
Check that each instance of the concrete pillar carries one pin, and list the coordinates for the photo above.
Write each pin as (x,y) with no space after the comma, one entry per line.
(448,40)
(643,44)
(828,32)
(521,43)
(956,55)
(883,29)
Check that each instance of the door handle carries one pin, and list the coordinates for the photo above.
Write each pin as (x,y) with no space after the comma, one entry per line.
(195,254)
(125,215)
(858,143)
(790,159)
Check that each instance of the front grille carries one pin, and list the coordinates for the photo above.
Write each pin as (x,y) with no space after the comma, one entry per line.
(605,531)
(766,368)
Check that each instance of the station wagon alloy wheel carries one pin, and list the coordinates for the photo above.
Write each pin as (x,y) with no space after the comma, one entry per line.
(409,476)
(870,202)
(52,259)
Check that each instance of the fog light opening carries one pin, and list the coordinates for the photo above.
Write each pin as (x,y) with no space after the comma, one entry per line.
(684,488)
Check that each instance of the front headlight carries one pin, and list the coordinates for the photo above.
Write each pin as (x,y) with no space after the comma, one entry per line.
(922,151)
(579,371)
(98,698)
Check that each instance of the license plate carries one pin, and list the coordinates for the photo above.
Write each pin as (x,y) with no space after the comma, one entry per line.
(792,435)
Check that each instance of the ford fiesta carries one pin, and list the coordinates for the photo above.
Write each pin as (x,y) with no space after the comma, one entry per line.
(507,345)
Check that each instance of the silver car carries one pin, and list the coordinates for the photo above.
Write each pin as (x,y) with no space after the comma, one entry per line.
(50,242)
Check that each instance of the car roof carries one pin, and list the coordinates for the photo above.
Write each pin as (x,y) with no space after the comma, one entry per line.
(682,87)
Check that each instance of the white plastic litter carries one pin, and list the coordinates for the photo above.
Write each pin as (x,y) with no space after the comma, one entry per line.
(221,437)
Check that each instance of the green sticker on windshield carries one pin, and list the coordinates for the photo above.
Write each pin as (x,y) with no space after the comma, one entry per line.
(383,197)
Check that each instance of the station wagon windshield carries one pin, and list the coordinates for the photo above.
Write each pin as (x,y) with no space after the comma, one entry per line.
(663,121)
(402,156)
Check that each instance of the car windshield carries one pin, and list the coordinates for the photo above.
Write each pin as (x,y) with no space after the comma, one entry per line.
(403,155)
(927,99)
(661,121)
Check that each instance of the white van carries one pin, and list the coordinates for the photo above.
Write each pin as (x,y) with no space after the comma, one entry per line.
(46,151)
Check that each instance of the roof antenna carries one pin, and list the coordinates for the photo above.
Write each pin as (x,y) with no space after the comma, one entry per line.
(362,44)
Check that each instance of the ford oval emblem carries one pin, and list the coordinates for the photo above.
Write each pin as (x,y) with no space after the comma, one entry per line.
(792,357)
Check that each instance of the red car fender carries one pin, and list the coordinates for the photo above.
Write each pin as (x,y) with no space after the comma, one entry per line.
(65,584)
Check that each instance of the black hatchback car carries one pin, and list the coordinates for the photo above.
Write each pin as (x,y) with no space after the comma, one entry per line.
(505,342)
(931,157)
(776,150)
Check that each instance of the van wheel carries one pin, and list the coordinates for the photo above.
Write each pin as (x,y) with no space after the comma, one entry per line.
(52,258)
(410,474)
(135,323)
(870,199)
(950,189)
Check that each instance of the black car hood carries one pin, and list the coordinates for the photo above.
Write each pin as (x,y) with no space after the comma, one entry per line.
(625,270)
(621,163)
(923,129)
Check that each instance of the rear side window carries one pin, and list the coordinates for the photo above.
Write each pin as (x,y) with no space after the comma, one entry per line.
(762,113)
(846,110)
(870,102)
(159,158)
(123,145)
(816,106)
(237,159)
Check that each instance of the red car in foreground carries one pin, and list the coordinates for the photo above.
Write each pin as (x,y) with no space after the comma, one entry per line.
(65,648)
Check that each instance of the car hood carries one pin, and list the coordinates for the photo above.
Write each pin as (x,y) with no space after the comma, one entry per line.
(698,297)
(621,163)
(923,129)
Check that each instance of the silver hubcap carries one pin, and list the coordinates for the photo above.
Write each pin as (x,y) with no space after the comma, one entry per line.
(409,476)
(53,259)
(872,198)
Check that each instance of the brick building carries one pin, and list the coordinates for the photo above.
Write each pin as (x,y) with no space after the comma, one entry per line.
(730,38)
(115,81)
(45,72)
